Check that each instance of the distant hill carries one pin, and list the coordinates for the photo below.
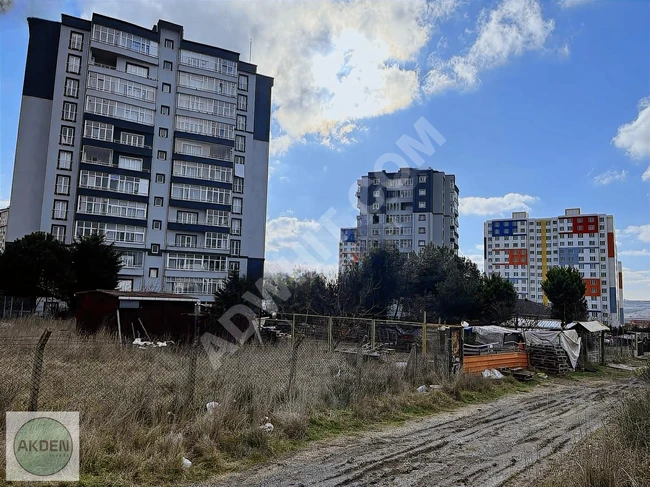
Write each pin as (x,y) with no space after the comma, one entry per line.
(636,310)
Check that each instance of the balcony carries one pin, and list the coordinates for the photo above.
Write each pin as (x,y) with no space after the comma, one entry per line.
(207,150)
(196,245)
(210,222)
(113,67)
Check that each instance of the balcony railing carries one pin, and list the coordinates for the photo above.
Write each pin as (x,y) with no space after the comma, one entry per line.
(185,221)
(187,245)
(115,68)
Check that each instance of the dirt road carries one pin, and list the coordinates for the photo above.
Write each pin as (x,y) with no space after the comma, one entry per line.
(502,443)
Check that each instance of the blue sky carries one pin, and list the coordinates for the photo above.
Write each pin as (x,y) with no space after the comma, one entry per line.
(543,105)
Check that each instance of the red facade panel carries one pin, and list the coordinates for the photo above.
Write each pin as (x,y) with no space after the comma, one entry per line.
(585,224)
(610,244)
(592,287)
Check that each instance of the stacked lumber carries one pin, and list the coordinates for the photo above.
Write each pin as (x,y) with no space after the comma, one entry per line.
(552,359)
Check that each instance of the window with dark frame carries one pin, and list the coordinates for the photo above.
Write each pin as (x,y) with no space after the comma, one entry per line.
(76,42)
(158,201)
(153,272)
(71,89)
(156,224)
(69,112)
(163,133)
(164,110)
(168,66)
(169,44)
(74,64)
(167,88)
(162,155)
(160,178)
(155,248)
(64,161)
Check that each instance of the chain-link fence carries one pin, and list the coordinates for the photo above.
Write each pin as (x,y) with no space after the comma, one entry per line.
(135,394)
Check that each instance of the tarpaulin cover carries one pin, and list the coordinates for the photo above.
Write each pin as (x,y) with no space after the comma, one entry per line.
(492,334)
(568,340)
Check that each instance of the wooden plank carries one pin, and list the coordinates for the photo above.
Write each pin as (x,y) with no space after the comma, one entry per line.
(478,364)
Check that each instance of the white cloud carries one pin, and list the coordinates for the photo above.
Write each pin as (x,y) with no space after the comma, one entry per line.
(4,203)
(285,231)
(283,267)
(476,258)
(642,232)
(646,175)
(635,253)
(609,177)
(573,3)
(6,5)
(514,27)
(634,137)
(636,284)
(334,62)
(474,205)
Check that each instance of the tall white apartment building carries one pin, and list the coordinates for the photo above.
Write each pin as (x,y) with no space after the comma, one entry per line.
(408,209)
(348,248)
(159,143)
(523,249)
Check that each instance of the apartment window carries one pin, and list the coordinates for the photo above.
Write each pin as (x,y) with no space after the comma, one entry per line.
(235,247)
(118,109)
(186,241)
(156,224)
(217,218)
(137,70)
(237,205)
(376,181)
(163,133)
(134,140)
(66,136)
(422,179)
(242,102)
(169,44)
(162,155)
(71,88)
(422,218)
(167,88)
(60,210)
(160,178)
(153,272)
(422,230)
(243,82)
(58,232)
(375,206)
(235,227)
(168,66)
(240,143)
(238,185)
(158,201)
(241,122)
(188,217)
(130,163)
(207,83)
(422,243)
(422,204)
(125,285)
(155,248)
(74,64)
(239,160)
(65,160)
(164,110)
(69,112)
(422,192)
(376,193)
(234,266)
(216,240)
(76,41)
(62,186)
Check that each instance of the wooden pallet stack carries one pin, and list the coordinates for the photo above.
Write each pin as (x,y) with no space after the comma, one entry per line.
(551,359)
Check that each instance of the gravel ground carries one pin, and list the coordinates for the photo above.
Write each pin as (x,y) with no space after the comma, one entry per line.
(507,442)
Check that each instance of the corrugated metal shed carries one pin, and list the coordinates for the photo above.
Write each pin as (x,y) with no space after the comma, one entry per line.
(592,326)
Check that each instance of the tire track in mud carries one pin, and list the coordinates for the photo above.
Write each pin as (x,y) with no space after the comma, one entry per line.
(487,444)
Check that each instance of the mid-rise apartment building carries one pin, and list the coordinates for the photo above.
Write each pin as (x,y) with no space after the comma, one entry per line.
(348,248)
(4,218)
(523,249)
(157,142)
(408,209)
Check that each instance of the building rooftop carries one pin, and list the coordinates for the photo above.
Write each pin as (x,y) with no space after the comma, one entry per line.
(141,295)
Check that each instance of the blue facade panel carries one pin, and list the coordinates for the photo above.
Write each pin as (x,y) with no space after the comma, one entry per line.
(612,301)
(569,256)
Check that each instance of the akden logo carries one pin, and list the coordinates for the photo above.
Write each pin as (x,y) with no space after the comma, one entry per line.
(42,446)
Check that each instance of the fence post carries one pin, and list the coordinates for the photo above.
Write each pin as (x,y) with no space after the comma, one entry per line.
(329,334)
(37,370)
(191,373)
(602,348)
(293,328)
(293,365)
(424,336)
(373,336)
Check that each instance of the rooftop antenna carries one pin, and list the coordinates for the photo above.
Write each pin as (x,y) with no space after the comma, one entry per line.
(250,51)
